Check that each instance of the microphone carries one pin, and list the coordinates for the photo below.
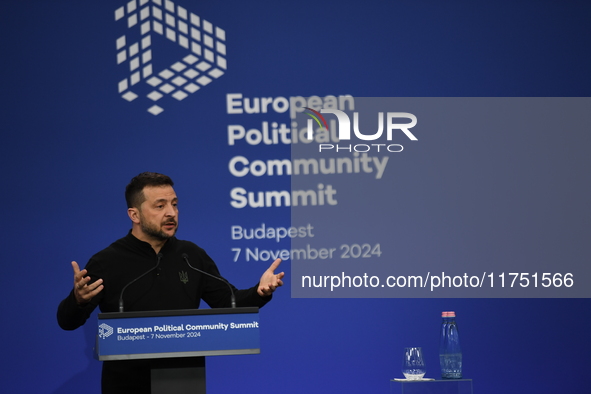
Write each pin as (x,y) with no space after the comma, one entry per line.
(232,299)
(139,277)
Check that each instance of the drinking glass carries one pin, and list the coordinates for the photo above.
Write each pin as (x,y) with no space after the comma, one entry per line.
(413,366)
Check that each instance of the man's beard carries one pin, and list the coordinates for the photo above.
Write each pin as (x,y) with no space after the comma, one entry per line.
(156,232)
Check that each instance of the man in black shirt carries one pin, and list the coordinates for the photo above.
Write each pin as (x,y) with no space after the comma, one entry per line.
(152,208)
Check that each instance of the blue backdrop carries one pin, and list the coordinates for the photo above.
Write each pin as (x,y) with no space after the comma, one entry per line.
(71,142)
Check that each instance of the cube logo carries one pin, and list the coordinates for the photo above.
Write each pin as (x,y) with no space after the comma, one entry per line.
(105,331)
(152,23)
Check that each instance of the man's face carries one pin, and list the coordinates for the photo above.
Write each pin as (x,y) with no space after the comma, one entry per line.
(159,213)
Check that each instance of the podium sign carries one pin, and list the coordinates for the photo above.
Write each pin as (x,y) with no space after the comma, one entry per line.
(177,333)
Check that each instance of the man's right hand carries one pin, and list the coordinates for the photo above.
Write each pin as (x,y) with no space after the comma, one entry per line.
(82,290)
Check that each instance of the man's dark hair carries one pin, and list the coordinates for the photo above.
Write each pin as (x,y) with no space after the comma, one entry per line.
(134,192)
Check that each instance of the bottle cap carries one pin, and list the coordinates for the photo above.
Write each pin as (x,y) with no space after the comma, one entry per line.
(448,314)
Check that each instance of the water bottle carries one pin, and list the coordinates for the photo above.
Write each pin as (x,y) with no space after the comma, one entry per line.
(450,354)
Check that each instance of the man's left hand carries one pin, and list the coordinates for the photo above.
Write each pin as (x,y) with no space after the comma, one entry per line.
(270,281)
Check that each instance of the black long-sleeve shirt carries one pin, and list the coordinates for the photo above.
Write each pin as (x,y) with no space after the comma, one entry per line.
(173,285)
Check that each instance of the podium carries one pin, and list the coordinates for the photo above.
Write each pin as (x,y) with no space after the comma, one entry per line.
(177,341)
